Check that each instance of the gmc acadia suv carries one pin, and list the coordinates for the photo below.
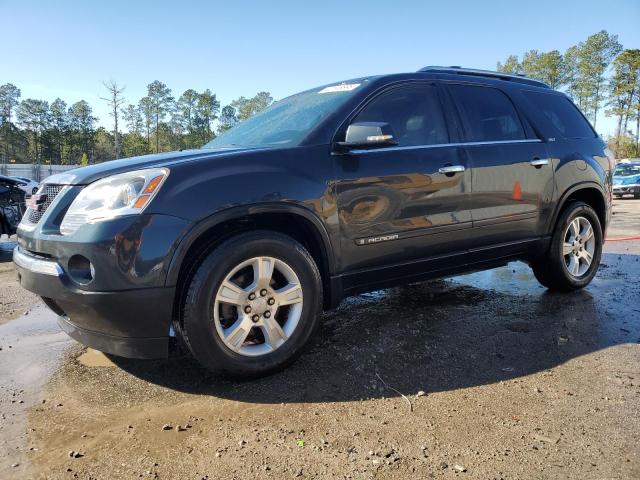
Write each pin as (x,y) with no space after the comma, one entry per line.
(237,247)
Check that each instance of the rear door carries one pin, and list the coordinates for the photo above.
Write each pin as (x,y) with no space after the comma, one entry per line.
(512,175)
(394,203)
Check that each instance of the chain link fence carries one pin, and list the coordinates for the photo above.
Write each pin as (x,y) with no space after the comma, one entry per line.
(33,171)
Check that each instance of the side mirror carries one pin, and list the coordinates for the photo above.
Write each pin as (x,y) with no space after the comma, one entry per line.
(367,135)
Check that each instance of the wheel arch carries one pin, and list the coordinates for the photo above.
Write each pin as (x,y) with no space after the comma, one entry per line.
(290,219)
(589,192)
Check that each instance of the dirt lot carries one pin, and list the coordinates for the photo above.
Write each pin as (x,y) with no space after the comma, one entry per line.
(14,301)
(482,376)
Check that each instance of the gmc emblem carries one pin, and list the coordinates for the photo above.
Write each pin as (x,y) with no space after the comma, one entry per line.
(34,201)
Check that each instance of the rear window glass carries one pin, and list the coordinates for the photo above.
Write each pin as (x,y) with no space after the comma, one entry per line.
(488,114)
(563,115)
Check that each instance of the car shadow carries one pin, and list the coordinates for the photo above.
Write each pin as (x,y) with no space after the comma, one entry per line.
(443,335)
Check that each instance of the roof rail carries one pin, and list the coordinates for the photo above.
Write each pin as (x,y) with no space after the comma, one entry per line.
(457,70)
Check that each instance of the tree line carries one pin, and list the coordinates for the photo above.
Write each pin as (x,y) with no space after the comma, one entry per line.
(36,131)
(597,73)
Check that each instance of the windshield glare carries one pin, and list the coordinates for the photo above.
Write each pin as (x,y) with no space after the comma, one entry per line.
(288,121)
(625,170)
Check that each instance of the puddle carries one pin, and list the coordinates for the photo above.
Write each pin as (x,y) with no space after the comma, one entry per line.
(514,279)
(30,349)
(517,278)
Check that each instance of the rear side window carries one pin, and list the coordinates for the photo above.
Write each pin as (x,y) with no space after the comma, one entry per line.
(413,113)
(562,114)
(488,114)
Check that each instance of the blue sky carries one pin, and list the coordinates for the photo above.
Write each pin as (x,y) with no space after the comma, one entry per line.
(67,48)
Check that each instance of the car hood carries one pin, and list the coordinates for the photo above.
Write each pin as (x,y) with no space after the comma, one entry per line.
(86,175)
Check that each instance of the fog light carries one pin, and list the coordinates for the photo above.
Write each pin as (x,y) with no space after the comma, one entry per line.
(80,269)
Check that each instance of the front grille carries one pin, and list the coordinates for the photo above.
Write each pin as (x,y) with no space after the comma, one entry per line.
(51,191)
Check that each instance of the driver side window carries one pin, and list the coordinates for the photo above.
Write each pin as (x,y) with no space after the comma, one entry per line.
(413,112)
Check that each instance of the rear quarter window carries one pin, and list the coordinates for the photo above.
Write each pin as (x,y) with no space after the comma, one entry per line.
(562,114)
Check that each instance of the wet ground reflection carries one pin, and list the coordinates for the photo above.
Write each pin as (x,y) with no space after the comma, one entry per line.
(476,329)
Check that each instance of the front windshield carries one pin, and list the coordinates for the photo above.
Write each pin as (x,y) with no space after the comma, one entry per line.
(626,169)
(288,121)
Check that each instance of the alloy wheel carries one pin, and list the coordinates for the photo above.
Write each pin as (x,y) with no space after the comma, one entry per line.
(579,246)
(258,306)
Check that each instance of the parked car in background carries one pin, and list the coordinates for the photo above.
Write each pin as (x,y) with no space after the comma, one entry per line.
(341,189)
(626,179)
(12,204)
(29,186)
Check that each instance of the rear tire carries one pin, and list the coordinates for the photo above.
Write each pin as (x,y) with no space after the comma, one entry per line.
(575,251)
(225,323)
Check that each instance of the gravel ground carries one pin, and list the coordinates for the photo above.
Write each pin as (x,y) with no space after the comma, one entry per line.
(14,301)
(482,376)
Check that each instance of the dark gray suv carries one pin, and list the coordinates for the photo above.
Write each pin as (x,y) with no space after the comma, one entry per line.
(238,246)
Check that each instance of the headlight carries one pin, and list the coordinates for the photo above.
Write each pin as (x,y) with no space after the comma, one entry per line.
(123,194)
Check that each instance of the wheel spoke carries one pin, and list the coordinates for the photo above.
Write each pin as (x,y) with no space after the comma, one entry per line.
(237,333)
(273,333)
(263,271)
(230,293)
(574,265)
(567,248)
(587,257)
(574,228)
(289,295)
(587,234)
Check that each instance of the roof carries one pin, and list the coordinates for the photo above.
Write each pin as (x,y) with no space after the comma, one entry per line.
(455,70)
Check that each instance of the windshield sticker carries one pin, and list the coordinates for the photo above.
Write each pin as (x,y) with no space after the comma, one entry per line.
(343,87)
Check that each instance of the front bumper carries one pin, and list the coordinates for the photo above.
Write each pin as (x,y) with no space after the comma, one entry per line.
(132,323)
(125,306)
(626,189)
(120,346)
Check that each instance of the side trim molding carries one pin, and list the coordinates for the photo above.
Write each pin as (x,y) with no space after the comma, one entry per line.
(441,145)
(419,232)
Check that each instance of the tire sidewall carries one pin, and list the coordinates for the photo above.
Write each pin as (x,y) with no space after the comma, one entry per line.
(202,336)
(578,209)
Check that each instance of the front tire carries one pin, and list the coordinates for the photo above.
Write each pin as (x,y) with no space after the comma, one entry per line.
(575,251)
(252,305)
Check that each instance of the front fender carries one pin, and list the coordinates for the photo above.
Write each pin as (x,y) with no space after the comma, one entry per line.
(210,222)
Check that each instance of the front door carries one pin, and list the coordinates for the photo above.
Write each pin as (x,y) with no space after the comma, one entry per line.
(409,202)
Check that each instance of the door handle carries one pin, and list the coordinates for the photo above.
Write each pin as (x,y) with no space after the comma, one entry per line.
(451,169)
(538,162)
